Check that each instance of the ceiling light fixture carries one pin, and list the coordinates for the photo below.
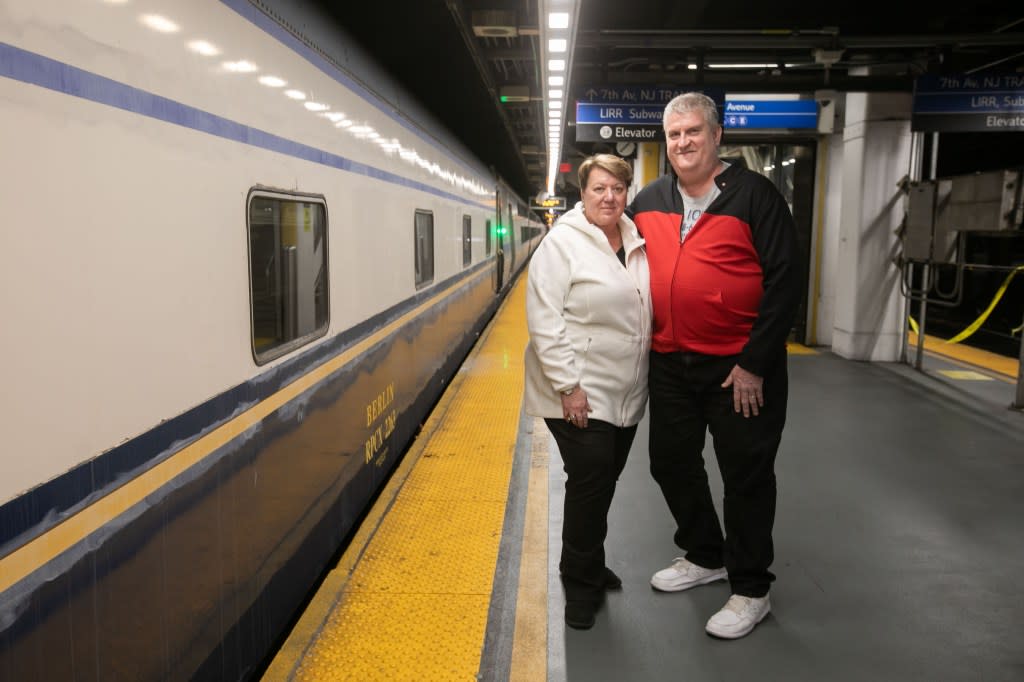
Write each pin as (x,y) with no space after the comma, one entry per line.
(558,34)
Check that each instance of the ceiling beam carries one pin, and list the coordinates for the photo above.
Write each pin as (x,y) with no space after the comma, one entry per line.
(465,30)
(753,82)
(754,40)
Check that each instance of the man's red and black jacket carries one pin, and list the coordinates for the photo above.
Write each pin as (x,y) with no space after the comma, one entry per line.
(733,286)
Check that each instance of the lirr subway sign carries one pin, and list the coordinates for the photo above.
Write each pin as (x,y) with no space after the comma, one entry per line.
(626,113)
(626,121)
(961,103)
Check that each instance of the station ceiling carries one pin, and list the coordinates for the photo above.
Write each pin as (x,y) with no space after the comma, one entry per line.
(456,56)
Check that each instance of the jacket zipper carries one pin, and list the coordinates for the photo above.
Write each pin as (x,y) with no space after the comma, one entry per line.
(639,358)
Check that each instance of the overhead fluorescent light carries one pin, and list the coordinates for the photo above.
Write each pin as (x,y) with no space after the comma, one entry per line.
(736,66)
(558,20)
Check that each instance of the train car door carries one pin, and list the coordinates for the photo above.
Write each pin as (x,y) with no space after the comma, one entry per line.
(510,232)
(499,250)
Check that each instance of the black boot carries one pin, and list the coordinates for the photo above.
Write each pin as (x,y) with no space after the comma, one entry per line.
(582,601)
(611,581)
(580,613)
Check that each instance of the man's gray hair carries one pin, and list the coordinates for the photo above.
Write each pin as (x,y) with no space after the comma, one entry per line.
(693,101)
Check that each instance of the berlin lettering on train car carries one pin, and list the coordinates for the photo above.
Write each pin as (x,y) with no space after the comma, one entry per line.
(378,436)
(968,103)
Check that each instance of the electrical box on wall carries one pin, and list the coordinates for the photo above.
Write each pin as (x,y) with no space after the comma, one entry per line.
(920,224)
(828,110)
(926,235)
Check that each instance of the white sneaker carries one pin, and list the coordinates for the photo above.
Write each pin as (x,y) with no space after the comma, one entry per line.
(738,617)
(683,574)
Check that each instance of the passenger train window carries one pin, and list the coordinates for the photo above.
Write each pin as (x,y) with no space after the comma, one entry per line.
(287,272)
(424,236)
(467,240)
(487,238)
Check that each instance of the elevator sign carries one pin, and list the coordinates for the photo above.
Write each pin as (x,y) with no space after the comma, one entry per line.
(961,103)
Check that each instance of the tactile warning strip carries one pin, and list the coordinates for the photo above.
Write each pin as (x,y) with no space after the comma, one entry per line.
(415,604)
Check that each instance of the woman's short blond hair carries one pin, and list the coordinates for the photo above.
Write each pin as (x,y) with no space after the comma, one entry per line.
(606,162)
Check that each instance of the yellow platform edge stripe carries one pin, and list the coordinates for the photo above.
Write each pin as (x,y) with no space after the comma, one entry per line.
(41,550)
(530,639)
(1000,367)
(316,649)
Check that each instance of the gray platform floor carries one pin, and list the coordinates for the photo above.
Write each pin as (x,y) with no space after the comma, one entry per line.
(899,542)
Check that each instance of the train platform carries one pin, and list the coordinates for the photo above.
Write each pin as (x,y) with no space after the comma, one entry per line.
(899,543)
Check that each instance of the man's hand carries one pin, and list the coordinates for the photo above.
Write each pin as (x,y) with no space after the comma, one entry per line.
(746,390)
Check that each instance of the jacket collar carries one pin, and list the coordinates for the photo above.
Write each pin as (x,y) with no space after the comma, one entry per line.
(631,238)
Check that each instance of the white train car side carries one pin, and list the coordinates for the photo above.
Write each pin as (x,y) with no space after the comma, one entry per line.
(237,280)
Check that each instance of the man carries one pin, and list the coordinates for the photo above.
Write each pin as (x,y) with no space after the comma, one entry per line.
(725,286)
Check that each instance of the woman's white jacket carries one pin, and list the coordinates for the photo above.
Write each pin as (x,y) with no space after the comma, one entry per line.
(589,320)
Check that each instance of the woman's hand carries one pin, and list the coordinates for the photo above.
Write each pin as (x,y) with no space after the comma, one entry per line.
(575,407)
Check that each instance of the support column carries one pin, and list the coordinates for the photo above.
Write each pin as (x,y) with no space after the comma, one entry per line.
(647,166)
(869,310)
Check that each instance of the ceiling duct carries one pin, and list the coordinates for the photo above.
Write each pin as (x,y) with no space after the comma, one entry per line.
(495,23)
(826,57)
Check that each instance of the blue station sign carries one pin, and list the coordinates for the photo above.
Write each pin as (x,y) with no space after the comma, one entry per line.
(759,114)
(620,114)
(627,113)
(962,103)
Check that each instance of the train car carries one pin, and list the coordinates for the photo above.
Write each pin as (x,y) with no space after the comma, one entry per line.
(237,279)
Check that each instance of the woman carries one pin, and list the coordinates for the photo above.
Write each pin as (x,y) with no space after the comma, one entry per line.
(589,315)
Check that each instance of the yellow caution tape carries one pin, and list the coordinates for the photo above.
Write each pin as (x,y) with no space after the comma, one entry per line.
(991,306)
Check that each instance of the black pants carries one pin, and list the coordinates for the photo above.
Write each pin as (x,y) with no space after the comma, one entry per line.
(592,458)
(687,400)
